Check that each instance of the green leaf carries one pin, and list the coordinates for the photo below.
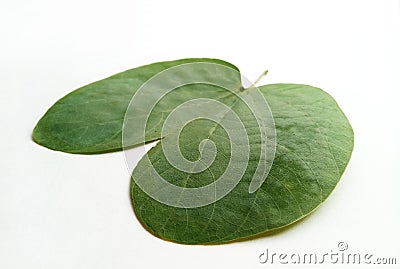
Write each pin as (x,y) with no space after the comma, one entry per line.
(314,144)
(286,167)
(89,119)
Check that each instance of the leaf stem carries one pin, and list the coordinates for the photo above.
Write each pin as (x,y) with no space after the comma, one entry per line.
(263,74)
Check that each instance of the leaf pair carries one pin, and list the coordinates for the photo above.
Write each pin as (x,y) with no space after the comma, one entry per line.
(307,145)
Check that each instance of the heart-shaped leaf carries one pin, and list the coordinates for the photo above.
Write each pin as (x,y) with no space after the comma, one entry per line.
(232,162)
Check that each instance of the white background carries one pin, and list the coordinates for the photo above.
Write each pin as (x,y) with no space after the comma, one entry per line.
(61,210)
